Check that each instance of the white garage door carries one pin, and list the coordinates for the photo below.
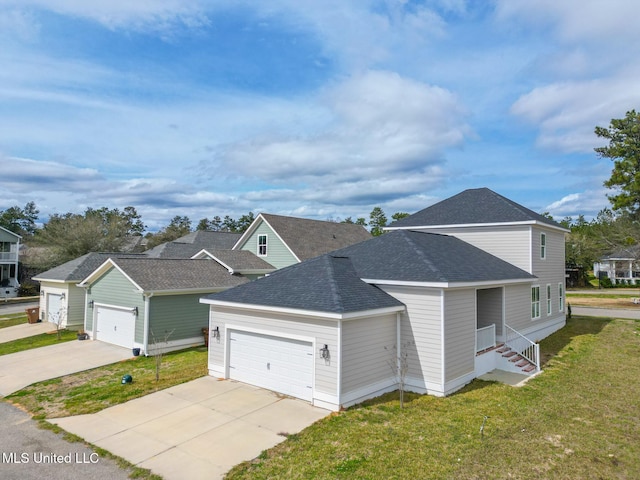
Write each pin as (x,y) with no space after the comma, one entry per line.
(54,303)
(276,363)
(115,326)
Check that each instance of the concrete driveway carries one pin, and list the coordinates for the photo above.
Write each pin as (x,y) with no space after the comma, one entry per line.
(197,430)
(17,370)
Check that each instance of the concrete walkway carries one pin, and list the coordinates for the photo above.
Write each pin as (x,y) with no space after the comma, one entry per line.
(24,330)
(197,430)
(17,370)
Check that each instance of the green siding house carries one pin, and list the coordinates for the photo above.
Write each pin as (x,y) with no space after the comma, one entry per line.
(148,304)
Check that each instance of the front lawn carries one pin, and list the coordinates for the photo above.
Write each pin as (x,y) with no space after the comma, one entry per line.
(93,390)
(11,319)
(578,419)
(37,341)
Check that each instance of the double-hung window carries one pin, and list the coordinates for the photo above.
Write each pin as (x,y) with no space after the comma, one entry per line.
(543,245)
(262,245)
(535,302)
(549,299)
(561,297)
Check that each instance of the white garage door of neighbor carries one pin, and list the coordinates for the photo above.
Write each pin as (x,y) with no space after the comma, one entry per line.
(280,364)
(115,326)
(54,302)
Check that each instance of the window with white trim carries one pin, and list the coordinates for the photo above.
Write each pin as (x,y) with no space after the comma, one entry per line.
(535,302)
(262,245)
(548,299)
(543,245)
(561,297)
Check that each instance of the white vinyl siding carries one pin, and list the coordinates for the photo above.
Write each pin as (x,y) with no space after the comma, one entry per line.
(549,308)
(368,351)
(517,306)
(459,333)
(489,308)
(510,243)
(421,331)
(278,324)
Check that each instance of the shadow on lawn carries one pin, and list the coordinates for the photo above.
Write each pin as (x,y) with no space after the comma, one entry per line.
(575,327)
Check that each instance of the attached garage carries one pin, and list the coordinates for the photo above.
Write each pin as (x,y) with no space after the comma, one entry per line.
(284,365)
(284,334)
(115,325)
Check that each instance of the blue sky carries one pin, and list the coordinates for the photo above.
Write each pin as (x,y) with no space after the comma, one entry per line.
(320,109)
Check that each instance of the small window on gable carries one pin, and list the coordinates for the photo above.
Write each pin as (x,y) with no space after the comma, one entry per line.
(543,245)
(262,245)
(535,302)
(548,299)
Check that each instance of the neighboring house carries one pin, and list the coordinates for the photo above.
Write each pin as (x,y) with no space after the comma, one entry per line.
(335,329)
(9,251)
(61,300)
(240,262)
(283,241)
(152,303)
(622,267)
(194,242)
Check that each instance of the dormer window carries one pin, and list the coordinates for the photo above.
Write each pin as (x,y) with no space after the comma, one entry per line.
(262,245)
(543,245)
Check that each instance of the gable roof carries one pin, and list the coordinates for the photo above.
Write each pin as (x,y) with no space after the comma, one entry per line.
(168,275)
(408,256)
(6,230)
(241,261)
(628,253)
(79,268)
(478,206)
(192,243)
(307,238)
(324,284)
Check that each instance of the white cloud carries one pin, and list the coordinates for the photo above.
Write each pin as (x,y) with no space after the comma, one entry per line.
(587,203)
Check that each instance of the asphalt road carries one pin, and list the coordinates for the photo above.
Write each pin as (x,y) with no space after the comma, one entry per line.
(605,312)
(30,453)
(15,307)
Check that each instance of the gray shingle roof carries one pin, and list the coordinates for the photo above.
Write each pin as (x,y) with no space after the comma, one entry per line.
(311,238)
(192,243)
(325,284)
(241,260)
(412,256)
(79,268)
(153,274)
(473,206)
(629,253)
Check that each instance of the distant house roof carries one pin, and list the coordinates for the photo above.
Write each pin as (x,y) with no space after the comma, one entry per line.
(628,253)
(79,268)
(241,261)
(413,256)
(167,275)
(309,238)
(192,243)
(478,206)
(324,284)
(5,230)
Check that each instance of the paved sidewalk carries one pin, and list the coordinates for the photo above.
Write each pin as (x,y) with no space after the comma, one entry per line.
(197,430)
(17,370)
(25,330)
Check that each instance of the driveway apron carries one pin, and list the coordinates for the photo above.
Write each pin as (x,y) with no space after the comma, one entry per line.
(197,430)
(17,370)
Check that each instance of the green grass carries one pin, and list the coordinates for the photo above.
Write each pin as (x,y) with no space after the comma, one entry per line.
(11,319)
(579,419)
(37,341)
(93,390)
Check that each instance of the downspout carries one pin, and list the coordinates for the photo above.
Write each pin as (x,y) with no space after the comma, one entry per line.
(398,342)
(145,337)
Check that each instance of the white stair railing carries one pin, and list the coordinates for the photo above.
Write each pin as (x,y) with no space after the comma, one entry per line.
(485,338)
(523,346)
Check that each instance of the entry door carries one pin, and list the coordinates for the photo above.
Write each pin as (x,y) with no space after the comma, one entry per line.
(115,326)
(279,364)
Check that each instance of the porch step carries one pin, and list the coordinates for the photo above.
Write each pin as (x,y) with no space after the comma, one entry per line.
(523,363)
(517,358)
(509,354)
(529,369)
(503,349)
